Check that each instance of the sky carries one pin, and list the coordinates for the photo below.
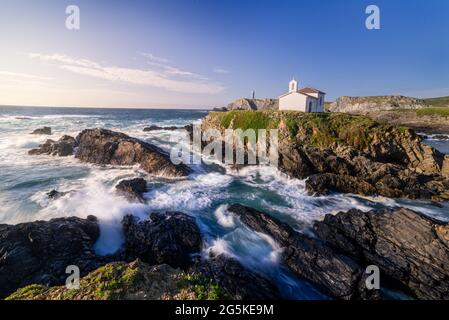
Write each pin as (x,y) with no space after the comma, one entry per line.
(206,53)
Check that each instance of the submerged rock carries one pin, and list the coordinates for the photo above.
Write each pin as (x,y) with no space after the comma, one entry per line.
(101,146)
(237,281)
(54,194)
(39,251)
(44,130)
(63,147)
(408,247)
(168,128)
(309,258)
(169,238)
(129,281)
(132,189)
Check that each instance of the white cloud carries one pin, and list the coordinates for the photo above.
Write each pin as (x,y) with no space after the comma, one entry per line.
(167,79)
(220,70)
(154,58)
(23,75)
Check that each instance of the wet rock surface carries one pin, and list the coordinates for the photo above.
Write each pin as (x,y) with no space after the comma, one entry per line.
(63,147)
(309,258)
(54,194)
(101,146)
(40,251)
(169,238)
(408,247)
(167,128)
(132,189)
(238,282)
(44,130)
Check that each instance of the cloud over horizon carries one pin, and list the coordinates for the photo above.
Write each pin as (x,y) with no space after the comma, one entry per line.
(160,75)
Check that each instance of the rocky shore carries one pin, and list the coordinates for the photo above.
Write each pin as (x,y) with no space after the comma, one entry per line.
(160,258)
(157,261)
(101,146)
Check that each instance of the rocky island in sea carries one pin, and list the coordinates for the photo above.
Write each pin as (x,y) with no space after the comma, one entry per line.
(350,192)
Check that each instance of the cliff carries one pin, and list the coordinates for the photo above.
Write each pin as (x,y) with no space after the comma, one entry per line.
(348,153)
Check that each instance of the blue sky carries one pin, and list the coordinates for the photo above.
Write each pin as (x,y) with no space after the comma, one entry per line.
(205,53)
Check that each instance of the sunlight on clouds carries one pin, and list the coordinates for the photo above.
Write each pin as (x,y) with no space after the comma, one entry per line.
(168,79)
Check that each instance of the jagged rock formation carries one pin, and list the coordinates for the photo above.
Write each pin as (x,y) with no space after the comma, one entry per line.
(34,257)
(253,104)
(238,282)
(375,103)
(168,238)
(309,258)
(132,189)
(103,146)
(408,247)
(347,153)
(40,251)
(63,147)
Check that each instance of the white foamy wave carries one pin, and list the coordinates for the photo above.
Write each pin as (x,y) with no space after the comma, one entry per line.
(218,247)
(193,194)
(294,202)
(253,249)
(95,197)
(224,217)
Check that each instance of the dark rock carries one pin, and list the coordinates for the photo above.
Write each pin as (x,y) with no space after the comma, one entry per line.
(44,130)
(103,146)
(54,194)
(132,189)
(440,137)
(238,282)
(323,183)
(63,147)
(169,238)
(168,128)
(408,247)
(220,109)
(309,258)
(40,251)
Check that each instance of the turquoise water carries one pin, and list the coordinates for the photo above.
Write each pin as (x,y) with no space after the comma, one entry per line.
(204,194)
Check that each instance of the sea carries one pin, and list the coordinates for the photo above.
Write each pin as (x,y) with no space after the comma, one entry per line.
(205,194)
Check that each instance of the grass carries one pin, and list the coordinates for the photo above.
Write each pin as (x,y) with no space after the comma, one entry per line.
(28,292)
(433,111)
(316,129)
(248,119)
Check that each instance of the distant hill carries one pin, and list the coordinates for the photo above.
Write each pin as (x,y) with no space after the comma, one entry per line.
(438,102)
(375,103)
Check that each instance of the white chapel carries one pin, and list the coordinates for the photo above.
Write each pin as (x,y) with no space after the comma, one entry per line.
(306,99)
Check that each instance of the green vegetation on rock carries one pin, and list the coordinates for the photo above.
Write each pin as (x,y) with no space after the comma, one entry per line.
(204,289)
(28,292)
(315,129)
(129,281)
